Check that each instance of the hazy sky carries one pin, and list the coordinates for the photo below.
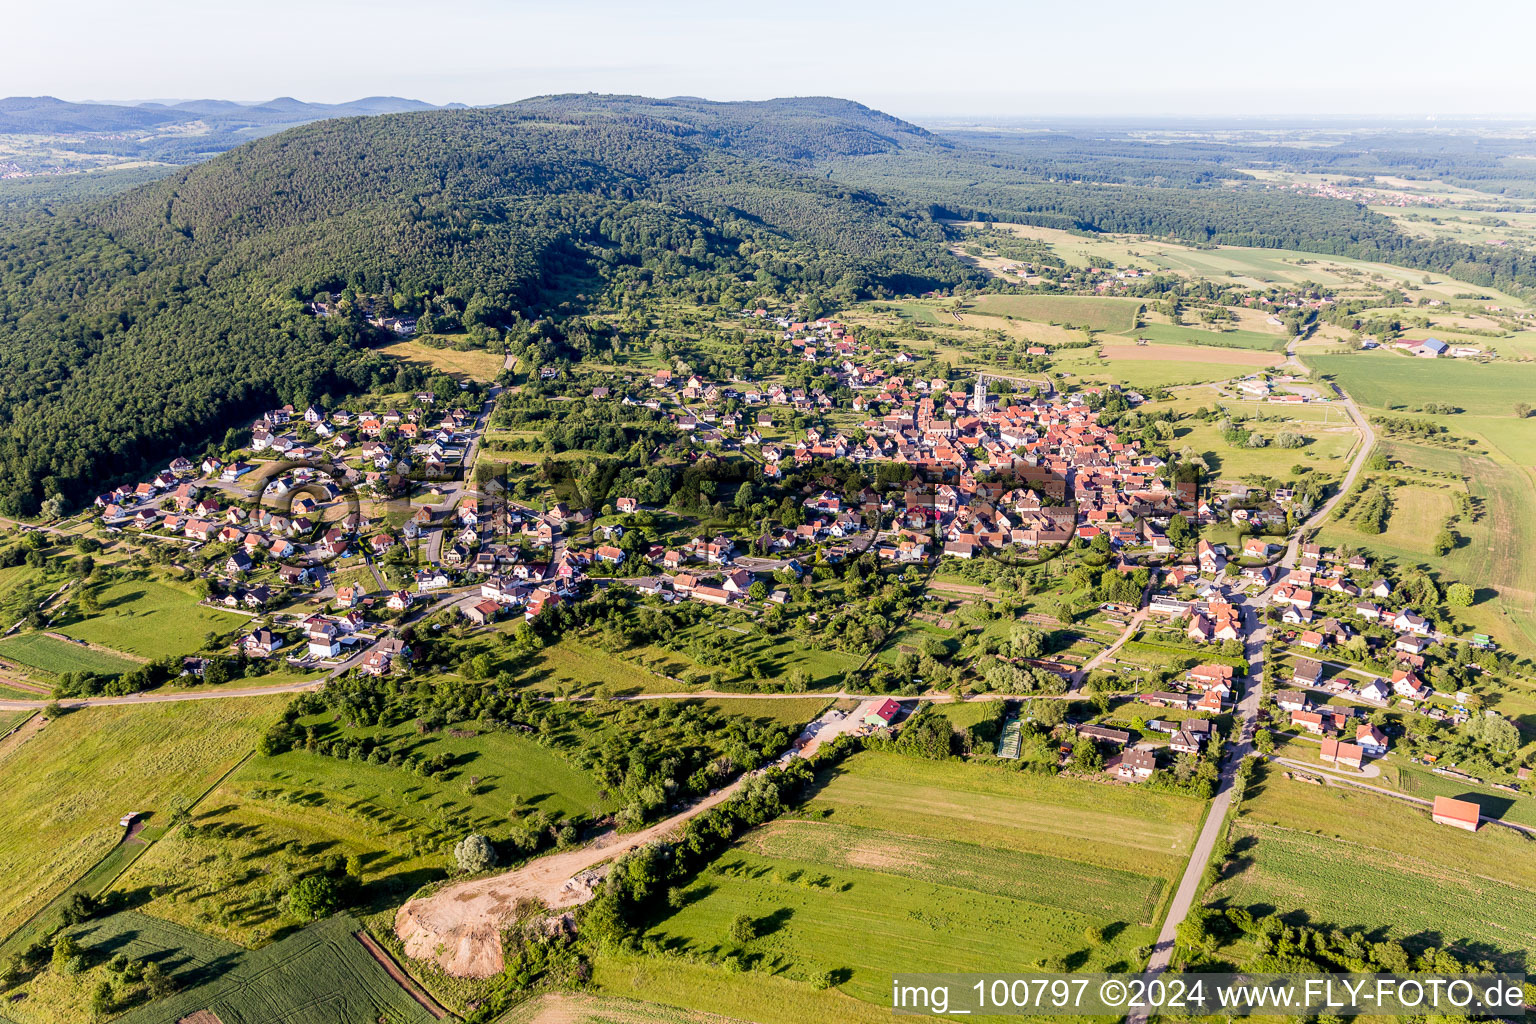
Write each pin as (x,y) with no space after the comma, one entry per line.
(1032,58)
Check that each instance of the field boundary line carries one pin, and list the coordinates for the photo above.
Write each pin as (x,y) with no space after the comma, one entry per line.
(399,975)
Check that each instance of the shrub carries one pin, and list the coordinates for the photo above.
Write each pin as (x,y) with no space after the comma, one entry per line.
(474,854)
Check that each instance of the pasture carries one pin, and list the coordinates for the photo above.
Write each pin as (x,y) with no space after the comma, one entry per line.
(1317,848)
(941,866)
(1081,311)
(151,619)
(68,785)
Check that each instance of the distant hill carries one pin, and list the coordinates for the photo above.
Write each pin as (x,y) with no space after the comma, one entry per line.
(49,115)
(800,129)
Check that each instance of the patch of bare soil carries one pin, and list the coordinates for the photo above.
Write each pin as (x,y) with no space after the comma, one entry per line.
(201,1017)
(459,926)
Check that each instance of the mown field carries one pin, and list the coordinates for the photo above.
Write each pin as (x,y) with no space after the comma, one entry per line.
(1083,311)
(1136,367)
(272,819)
(934,866)
(1385,379)
(476,364)
(151,619)
(1326,451)
(1318,851)
(67,786)
(576,666)
(53,656)
(1417,515)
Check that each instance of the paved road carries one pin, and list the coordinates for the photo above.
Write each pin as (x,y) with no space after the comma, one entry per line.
(1367,443)
(1248,708)
(1216,818)
(165,698)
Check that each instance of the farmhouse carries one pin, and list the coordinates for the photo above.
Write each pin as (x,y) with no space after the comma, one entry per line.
(1347,755)
(1463,814)
(1104,734)
(883,715)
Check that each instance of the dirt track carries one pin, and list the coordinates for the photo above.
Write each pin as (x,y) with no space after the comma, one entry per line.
(23,732)
(402,979)
(459,927)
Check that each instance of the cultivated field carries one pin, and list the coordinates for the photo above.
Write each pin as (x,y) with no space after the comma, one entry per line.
(1320,849)
(1386,379)
(54,656)
(320,974)
(1500,548)
(67,787)
(1083,311)
(187,957)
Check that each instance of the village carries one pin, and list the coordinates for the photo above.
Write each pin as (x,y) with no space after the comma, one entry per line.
(336,530)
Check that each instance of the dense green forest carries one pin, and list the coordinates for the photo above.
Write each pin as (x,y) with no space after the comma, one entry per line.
(139,324)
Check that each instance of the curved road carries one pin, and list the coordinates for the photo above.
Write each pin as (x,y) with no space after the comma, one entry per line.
(1248,707)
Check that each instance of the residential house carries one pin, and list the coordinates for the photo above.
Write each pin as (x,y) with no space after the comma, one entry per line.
(1406,684)
(1307,672)
(482,612)
(1310,721)
(1371,740)
(1136,764)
